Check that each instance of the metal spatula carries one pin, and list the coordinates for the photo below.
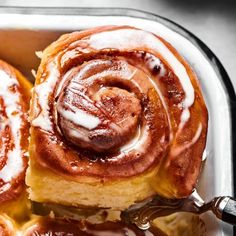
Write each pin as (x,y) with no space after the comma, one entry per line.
(143,213)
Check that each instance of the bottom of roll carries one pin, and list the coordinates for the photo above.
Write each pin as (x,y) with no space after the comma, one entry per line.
(46,186)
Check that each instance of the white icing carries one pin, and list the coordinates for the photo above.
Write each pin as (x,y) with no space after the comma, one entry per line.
(61,83)
(42,122)
(138,143)
(79,117)
(132,39)
(123,72)
(42,91)
(139,146)
(153,62)
(130,145)
(13,167)
(33,72)
(204,155)
(14,163)
(39,54)
(79,135)
(5,187)
(184,118)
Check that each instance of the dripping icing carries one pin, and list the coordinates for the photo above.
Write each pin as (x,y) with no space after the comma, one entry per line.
(79,117)
(42,91)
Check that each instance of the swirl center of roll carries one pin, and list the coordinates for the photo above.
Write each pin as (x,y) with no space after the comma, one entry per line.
(95,110)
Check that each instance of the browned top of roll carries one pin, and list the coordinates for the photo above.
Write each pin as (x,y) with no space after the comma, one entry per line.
(113,102)
(14,131)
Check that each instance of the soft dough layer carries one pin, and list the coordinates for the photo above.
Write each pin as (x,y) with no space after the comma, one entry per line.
(116,194)
(117,116)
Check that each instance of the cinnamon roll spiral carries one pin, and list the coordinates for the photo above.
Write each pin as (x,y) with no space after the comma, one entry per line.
(14,132)
(117,115)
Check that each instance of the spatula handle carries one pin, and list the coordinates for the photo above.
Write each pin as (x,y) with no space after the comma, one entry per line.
(225,209)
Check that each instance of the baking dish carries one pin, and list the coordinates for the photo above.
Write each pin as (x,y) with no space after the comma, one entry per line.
(26,30)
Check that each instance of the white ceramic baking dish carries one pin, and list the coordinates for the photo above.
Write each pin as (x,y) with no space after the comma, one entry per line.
(26,30)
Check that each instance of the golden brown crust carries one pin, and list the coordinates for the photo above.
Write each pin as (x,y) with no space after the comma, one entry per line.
(14,131)
(105,84)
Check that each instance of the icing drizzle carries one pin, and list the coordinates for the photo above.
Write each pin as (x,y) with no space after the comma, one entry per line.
(14,163)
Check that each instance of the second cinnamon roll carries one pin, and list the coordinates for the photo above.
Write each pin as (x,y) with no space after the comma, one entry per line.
(14,133)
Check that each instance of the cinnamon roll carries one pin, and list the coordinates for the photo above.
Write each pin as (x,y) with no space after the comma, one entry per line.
(14,133)
(117,116)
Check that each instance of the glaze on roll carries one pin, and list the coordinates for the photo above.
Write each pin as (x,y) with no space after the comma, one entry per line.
(14,133)
(117,116)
